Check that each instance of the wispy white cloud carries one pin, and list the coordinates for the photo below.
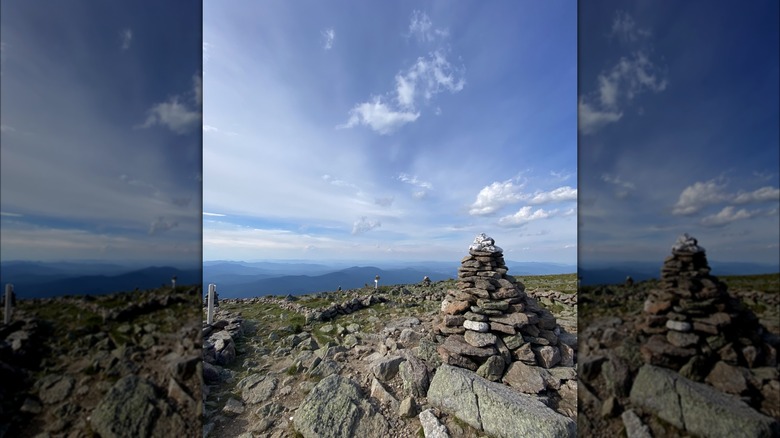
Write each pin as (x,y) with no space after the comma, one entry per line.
(6,128)
(498,194)
(524,215)
(591,119)
(413,180)
(127,38)
(209,128)
(180,117)
(624,28)
(763,194)
(9,214)
(338,183)
(330,36)
(378,116)
(560,176)
(728,215)
(422,28)
(633,75)
(213,214)
(617,181)
(560,194)
(427,77)
(363,225)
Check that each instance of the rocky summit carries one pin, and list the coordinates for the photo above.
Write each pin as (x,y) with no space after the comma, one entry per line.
(367,362)
(116,365)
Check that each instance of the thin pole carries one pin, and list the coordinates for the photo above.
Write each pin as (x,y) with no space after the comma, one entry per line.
(210,314)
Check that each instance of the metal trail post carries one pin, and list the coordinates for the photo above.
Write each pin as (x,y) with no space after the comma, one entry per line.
(210,312)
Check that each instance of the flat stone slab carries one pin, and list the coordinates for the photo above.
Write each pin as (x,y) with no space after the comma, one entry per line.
(697,408)
(494,408)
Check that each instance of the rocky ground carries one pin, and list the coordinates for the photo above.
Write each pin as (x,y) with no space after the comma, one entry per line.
(613,375)
(356,363)
(117,365)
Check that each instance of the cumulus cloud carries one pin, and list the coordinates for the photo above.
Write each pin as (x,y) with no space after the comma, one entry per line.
(176,114)
(699,195)
(363,225)
(524,215)
(726,216)
(127,38)
(161,225)
(378,116)
(422,28)
(560,194)
(329,35)
(493,197)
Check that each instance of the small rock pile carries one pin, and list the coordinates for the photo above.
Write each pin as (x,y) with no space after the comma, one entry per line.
(696,328)
(490,323)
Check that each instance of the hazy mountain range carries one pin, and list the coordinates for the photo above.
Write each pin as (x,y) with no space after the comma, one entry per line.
(611,273)
(47,279)
(237,279)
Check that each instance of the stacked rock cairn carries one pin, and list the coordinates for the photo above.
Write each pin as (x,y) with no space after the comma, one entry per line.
(490,322)
(693,323)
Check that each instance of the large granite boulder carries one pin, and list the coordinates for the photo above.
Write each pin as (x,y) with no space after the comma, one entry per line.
(697,408)
(495,408)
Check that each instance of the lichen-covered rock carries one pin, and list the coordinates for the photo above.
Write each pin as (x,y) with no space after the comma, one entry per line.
(495,408)
(337,408)
(697,408)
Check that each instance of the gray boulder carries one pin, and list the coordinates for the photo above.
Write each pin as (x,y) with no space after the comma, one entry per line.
(494,408)
(337,408)
(697,408)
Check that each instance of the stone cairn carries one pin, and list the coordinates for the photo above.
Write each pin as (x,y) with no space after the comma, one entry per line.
(489,321)
(693,323)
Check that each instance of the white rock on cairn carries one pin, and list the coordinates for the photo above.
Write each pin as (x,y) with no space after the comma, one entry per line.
(687,243)
(484,243)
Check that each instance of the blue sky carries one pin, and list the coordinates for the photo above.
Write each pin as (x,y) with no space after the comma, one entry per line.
(679,108)
(101,132)
(389,130)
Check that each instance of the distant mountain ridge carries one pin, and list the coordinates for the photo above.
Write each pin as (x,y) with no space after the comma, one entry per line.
(603,273)
(238,279)
(41,280)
